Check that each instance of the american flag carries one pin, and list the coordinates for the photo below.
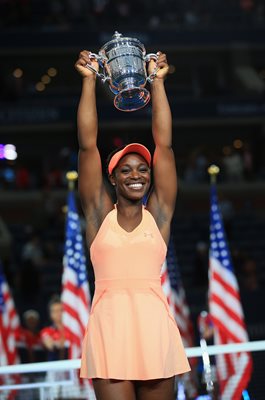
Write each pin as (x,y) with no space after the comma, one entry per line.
(233,370)
(9,324)
(175,293)
(173,289)
(75,289)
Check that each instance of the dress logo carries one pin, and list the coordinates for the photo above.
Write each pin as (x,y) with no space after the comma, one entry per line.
(148,235)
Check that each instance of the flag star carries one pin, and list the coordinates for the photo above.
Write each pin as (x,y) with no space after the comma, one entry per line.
(69,252)
(224,253)
(213,236)
(218,226)
(220,235)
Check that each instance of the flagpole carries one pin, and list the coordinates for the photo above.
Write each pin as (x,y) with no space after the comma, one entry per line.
(213,171)
(71,177)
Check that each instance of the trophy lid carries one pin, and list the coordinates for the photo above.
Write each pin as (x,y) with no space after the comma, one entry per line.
(117,35)
(118,39)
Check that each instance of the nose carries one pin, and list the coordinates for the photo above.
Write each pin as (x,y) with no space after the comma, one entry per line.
(135,174)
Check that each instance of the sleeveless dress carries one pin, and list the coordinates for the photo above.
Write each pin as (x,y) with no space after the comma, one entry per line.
(131,333)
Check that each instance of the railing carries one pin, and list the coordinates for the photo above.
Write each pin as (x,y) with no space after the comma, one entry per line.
(69,367)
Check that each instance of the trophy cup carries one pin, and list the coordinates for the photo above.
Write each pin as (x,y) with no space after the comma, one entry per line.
(123,62)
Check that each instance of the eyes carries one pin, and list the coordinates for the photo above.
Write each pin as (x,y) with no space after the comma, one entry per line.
(142,169)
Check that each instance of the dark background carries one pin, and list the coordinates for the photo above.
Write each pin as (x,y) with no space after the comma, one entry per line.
(216,89)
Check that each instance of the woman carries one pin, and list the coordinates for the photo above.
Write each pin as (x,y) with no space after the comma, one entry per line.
(132,348)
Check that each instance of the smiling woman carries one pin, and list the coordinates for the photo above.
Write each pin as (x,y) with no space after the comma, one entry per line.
(129,169)
(132,347)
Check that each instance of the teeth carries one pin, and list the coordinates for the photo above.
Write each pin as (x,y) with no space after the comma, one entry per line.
(136,185)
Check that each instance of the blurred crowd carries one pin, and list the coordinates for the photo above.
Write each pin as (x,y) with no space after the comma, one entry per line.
(50,343)
(49,173)
(237,165)
(61,14)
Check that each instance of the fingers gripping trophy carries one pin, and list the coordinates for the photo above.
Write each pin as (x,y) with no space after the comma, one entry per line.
(122,63)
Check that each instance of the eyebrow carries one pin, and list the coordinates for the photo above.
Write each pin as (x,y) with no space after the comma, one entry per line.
(140,165)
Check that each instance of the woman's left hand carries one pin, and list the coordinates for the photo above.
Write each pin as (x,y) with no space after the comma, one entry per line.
(161,63)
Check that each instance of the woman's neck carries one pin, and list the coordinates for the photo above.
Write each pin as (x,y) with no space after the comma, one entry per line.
(129,209)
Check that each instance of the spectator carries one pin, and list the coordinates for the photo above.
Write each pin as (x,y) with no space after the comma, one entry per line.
(249,277)
(53,337)
(32,250)
(57,345)
(233,165)
(22,178)
(28,338)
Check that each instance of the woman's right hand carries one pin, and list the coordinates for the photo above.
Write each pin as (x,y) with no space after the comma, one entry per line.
(81,63)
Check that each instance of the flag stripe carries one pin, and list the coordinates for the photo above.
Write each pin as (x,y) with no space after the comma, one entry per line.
(219,278)
(178,305)
(233,370)
(231,314)
(75,288)
(9,323)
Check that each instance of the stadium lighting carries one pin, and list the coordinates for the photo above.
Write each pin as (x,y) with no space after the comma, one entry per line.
(52,72)
(8,152)
(45,79)
(238,144)
(40,86)
(18,73)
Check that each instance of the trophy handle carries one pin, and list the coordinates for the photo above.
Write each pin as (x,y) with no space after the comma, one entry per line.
(100,59)
(147,58)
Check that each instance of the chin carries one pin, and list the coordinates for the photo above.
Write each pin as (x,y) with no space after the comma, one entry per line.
(135,197)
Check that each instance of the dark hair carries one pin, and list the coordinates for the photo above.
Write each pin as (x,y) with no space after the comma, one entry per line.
(55,299)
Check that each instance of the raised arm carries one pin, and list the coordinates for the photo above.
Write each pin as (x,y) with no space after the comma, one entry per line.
(94,197)
(162,200)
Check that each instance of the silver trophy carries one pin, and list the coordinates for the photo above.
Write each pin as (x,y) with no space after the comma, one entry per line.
(123,62)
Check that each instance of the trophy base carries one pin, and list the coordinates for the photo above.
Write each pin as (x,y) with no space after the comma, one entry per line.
(132,99)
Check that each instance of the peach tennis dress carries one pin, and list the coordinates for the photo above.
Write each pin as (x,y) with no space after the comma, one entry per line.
(131,333)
